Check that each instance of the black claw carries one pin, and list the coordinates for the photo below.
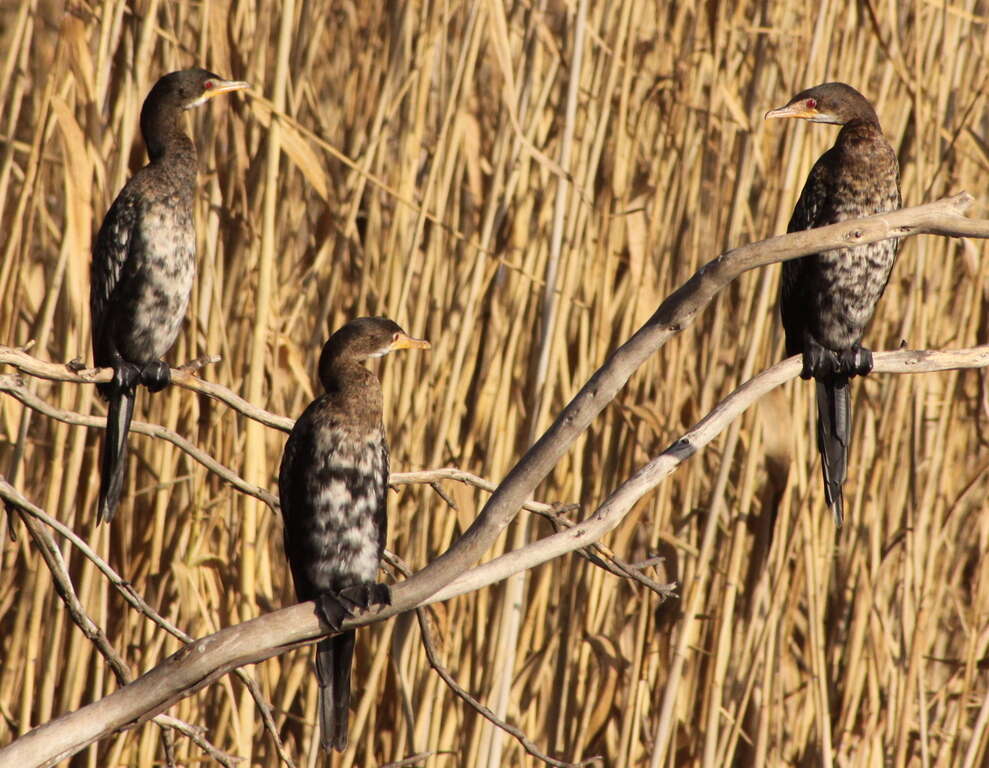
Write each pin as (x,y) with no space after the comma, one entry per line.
(333,610)
(380,594)
(365,595)
(335,607)
(125,376)
(156,376)
(819,362)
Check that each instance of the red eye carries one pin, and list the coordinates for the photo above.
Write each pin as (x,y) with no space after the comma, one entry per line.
(811,103)
(207,85)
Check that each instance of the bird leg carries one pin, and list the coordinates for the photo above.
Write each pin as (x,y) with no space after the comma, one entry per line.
(335,607)
(156,376)
(365,595)
(125,376)
(856,361)
(819,362)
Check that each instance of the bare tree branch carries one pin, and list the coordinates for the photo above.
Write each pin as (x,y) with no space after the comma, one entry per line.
(52,556)
(461,692)
(620,502)
(12,384)
(205,660)
(31,513)
(182,377)
(943,217)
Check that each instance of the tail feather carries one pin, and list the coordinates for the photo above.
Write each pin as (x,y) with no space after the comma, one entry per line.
(334,657)
(113,461)
(834,420)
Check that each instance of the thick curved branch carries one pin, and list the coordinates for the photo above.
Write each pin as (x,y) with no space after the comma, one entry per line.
(205,660)
(614,509)
(34,517)
(943,217)
(201,662)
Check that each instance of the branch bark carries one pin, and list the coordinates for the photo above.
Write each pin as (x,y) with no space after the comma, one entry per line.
(943,217)
(205,660)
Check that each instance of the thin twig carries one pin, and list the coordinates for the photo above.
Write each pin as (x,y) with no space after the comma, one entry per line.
(183,377)
(13,385)
(516,733)
(28,511)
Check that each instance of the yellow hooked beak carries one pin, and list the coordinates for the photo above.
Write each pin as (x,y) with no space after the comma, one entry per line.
(216,86)
(798,110)
(404,341)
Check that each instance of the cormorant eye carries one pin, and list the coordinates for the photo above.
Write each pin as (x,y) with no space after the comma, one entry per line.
(811,103)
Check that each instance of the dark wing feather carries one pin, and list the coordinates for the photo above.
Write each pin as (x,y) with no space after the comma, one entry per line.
(111,252)
(810,211)
(293,500)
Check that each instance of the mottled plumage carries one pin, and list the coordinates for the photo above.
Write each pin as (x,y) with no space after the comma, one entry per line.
(333,484)
(827,299)
(144,261)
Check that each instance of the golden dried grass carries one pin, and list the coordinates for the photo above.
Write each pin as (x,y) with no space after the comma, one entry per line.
(406,159)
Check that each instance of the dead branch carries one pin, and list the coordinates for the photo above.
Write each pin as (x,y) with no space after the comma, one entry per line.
(207,659)
(943,217)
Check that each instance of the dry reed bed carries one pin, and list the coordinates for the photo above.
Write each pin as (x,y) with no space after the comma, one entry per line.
(413,168)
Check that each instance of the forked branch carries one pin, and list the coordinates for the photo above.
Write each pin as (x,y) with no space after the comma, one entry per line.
(205,660)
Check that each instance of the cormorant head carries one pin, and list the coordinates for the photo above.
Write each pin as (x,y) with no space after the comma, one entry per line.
(835,103)
(173,93)
(364,338)
(189,88)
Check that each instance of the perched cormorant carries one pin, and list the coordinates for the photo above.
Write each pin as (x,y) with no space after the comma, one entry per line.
(828,298)
(144,259)
(332,486)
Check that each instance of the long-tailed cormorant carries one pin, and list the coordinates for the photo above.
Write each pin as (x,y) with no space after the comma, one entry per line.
(332,486)
(144,259)
(828,298)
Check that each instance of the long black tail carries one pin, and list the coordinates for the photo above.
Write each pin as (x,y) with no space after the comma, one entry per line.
(334,657)
(834,432)
(114,459)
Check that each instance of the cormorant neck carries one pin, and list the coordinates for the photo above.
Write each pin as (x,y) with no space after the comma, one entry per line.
(162,131)
(861,127)
(354,387)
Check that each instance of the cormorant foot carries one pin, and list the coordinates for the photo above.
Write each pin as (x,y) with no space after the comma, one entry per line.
(125,376)
(333,610)
(856,361)
(819,362)
(335,607)
(156,376)
(365,595)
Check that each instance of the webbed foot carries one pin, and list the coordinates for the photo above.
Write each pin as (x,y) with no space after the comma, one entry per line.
(365,595)
(333,610)
(336,607)
(819,362)
(125,376)
(156,376)
(856,361)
